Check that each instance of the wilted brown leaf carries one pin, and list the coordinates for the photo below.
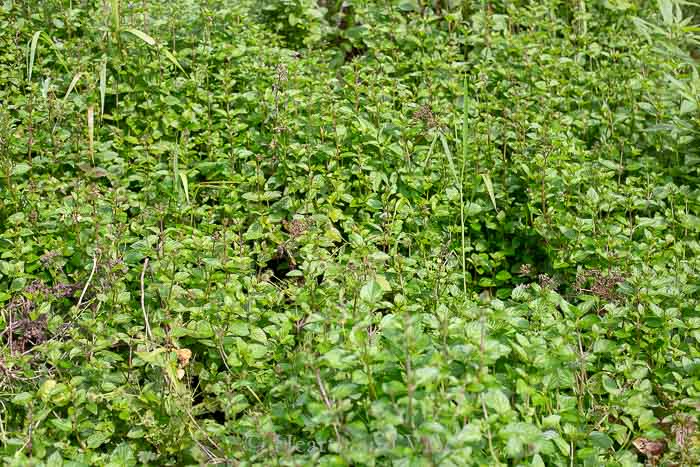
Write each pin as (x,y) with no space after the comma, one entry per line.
(183,357)
(651,449)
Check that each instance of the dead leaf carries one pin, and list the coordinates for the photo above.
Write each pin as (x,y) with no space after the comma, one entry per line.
(651,449)
(183,357)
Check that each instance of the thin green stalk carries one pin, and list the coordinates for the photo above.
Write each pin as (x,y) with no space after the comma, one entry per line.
(465,126)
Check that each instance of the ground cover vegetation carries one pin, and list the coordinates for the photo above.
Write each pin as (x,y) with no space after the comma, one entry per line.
(295,232)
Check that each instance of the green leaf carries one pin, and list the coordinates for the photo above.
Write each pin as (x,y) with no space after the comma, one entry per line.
(335,358)
(62,424)
(497,400)
(666,9)
(426,375)
(97,439)
(239,328)
(470,433)
(601,440)
(610,385)
(254,232)
(20,169)
(54,460)
(372,292)
(136,433)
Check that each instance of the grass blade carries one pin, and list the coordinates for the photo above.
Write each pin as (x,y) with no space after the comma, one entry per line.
(448,153)
(489,188)
(32,54)
(141,35)
(465,120)
(91,133)
(465,126)
(72,84)
(185,186)
(115,15)
(103,86)
(169,55)
(48,41)
(176,171)
(152,42)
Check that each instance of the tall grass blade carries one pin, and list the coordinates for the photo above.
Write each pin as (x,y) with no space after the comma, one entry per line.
(73,82)
(152,42)
(176,171)
(59,56)
(103,86)
(489,187)
(32,55)
(91,133)
(185,186)
(141,35)
(450,161)
(465,154)
(115,15)
(169,55)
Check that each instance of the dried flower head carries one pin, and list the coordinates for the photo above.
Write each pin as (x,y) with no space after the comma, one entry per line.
(684,429)
(297,227)
(48,257)
(425,115)
(598,283)
(525,270)
(282,74)
(547,282)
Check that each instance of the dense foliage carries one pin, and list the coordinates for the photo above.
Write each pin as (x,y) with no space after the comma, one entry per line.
(360,232)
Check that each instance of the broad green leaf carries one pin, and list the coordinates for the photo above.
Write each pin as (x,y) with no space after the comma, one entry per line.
(610,385)
(426,375)
(20,169)
(239,328)
(62,424)
(601,440)
(497,400)
(23,398)
(336,358)
(371,292)
(97,439)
